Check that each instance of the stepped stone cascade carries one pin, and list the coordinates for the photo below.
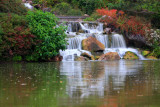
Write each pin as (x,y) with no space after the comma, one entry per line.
(88,37)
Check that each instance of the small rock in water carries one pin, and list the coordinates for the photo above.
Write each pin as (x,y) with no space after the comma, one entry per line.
(23,84)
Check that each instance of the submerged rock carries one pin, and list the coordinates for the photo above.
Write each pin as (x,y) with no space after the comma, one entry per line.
(109,56)
(90,57)
(92,44)
(130,56)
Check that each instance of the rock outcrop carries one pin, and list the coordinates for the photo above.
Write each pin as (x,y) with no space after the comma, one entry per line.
(109,56)
(145,53)
(151,57)
(130,56)
(81,58)
(90,57)
(92,44)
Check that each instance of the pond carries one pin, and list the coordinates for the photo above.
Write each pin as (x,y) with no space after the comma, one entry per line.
(80,84)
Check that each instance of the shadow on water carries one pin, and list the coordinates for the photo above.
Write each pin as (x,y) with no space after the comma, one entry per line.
(81,84)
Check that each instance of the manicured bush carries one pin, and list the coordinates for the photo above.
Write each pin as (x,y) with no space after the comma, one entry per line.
(51,36)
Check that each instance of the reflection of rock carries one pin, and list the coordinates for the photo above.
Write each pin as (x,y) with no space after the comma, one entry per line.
(151,57)
(90,57)
(97,57)
(130,55)
(81,58)
(92,44)
(109,56)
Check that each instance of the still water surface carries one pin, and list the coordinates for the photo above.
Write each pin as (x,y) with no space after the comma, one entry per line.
(80,84)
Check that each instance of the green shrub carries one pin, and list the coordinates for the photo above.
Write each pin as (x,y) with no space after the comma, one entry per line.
(74,12)
(16,38)
(62,8)
(156,21)
(1,34)
(52,38)
(89,19)
(95,16)
(89,6)
(17,58)
(12,6)
(10,21)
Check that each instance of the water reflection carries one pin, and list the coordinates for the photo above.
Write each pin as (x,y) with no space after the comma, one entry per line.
(94,78)
(80,84)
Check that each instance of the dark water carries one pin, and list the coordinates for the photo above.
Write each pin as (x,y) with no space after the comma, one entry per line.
(80,84)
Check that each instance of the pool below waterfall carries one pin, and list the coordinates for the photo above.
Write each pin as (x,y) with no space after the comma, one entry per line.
(80,84)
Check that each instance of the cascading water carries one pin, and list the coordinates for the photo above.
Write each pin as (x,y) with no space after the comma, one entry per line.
(75,43)
(28,5)
(74,47)
(118,41)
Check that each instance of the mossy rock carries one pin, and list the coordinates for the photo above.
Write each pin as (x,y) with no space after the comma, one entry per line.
(81,31)
(151,57)
(81,58)
(97,57)
(109,56)
(130,56)
(90,57)
(145,53)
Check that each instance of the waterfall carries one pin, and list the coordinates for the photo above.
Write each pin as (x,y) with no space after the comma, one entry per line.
(75,43)
(92,28)
(103,39)
(28,5)
(69,27)
(112,43)
(118,41)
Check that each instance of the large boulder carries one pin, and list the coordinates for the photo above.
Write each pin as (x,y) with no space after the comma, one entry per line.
(90,57)
(130,56)
(109,56)
(92,44)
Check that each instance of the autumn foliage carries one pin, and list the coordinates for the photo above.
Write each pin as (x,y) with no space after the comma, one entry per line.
(119,19)
(18,42)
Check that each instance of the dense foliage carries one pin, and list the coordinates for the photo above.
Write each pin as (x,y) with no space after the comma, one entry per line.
(51,36)
(12,6)
(66,9)
(118,19)
(16,38)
